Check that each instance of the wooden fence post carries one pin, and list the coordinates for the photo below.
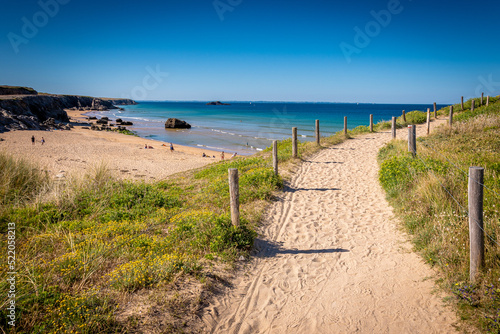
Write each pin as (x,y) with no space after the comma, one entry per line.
(412,139)
(371,122)
(404,116)
(462,103)
(476,231)
(482,98)
(393,127)
(451,116)
(428,120)
(234,196)
(317,132)
(473,103)
(487,100)
(294,142)
(275,156)
(345,126)
(435,111)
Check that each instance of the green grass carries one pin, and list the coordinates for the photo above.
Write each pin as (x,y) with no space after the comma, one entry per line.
(425,192)
(126,132)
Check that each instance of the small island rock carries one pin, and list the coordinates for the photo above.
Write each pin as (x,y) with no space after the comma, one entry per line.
(217,103)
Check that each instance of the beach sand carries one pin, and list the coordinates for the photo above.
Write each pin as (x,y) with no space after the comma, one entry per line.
(332,259)
(80,151)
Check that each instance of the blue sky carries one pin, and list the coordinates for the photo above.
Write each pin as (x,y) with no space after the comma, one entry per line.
(407,51)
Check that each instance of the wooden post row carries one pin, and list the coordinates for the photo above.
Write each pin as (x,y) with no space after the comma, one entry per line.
(435,111)
(371,122)
(234,196)
(275,156)
(393,127)
(294,142)
(404,116)
(345,125)
(487,100)
(462,103)
(476,231)
(473,103)
(482,98)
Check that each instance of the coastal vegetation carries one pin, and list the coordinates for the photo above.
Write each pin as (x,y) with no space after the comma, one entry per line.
(98,254)
(429,193)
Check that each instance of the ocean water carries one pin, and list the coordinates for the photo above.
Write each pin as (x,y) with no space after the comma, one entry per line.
(248,127)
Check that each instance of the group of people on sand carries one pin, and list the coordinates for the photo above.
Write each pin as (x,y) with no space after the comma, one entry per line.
(146,146)
(33,140)
(221,155)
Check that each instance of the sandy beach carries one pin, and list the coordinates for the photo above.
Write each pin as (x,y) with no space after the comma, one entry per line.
(79,151)
(331,258)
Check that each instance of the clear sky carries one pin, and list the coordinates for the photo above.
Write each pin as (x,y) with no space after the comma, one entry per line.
(407,51)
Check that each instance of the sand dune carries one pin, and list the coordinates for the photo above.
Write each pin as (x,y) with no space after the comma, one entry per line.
(331,259)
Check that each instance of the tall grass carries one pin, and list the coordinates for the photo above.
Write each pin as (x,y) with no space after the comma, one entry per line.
(430,195)
(20,180)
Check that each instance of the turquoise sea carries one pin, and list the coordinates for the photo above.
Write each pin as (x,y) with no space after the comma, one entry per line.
(248,127)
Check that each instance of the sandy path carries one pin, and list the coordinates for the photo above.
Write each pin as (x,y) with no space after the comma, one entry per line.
(331,259)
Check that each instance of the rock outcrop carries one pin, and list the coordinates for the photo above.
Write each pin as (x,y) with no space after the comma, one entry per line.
(14,90)
(120,102)
(174,123)
(23,112)
(217,103)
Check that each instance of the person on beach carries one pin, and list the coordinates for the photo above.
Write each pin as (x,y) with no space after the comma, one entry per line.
(32,140)
(43,141)
(235,153)
(171,147)
(222,155)
(145,146)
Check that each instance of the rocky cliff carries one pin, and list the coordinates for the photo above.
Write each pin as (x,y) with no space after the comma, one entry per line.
(15,90)
(21,112)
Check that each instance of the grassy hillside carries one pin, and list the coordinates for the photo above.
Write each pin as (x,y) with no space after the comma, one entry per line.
(429,193)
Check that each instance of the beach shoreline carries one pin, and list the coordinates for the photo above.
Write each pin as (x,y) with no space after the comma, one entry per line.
(81,151)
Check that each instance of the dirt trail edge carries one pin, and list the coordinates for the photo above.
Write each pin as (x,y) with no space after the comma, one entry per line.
(330,258)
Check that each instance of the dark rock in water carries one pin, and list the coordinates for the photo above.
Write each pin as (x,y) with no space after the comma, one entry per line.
(127,123)
(119,120)
(102,121)
(105,118)
(92,117)
(217,103)
(174,123)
